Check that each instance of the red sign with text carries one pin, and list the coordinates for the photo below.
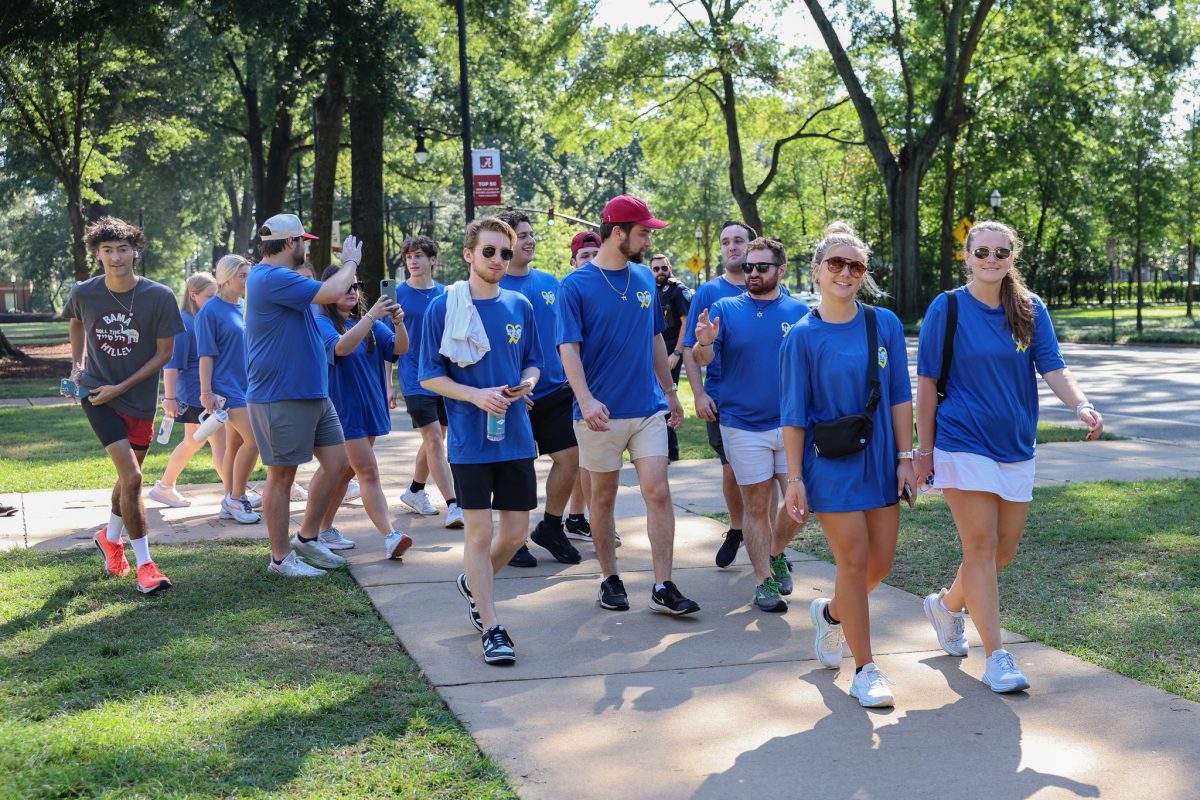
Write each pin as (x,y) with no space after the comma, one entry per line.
(486,177)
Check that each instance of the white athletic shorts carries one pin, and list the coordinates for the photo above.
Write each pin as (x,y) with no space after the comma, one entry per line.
(755,456)
(975,473)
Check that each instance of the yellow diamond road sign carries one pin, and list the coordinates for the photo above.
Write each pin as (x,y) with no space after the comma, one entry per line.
(695,264)
(960,232)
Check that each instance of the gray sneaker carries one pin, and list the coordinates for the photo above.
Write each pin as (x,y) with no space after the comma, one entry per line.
(317,553)
(333,539)
(293,567)
(781,571)
(766,597)
(949,627)
(1002,675)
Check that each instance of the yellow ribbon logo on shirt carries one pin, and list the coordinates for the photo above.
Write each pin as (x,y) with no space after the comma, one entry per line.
(514,333)
(787,326)
(882,357)
(644,299)
(1021,346)
(548,297)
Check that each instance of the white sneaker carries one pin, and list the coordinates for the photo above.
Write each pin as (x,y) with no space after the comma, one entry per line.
(255,500)
(827,644)
(333,539)
(949,626)
(870,688)
(293,567)
(317,553)
(418,502)
(1002,674)
(298,494)
(167,495)
(454,516)
(353,491)
(396,544)
(239,510)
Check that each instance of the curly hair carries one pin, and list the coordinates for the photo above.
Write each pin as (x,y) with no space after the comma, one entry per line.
(112,229)
(775,247)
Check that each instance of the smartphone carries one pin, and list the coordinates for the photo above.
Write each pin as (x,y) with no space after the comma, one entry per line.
(387,286)
(909,495)
(69,388)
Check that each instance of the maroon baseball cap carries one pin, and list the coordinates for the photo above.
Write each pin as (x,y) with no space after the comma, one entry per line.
(627,208)
(584,239)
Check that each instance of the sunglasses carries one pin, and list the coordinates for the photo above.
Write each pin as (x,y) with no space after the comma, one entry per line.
(663,268)
(354,287)
(760,266)
(505,254)
(983,252)
(836,265)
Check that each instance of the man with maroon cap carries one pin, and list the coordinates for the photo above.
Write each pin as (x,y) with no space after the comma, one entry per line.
(584,247)
(615,359)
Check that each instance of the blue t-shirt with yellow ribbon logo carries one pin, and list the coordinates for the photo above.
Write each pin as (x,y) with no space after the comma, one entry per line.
(512,333)
(541,290)
(615,336)
(991,405)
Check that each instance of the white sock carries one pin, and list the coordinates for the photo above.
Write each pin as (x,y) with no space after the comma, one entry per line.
(141,549)
(116,526)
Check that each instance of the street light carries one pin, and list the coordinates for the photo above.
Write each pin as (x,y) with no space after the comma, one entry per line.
(994,200)
(421,154)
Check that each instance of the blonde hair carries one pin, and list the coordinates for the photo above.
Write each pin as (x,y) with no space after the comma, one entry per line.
(1014,295)
(227,267)
(493,224)
(838,233)
(195,285)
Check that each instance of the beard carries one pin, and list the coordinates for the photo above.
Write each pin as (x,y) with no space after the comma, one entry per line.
(762,285)
(486,275)
(630,254)
(298,255)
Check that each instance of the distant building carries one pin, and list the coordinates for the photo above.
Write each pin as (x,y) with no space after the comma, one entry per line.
(15,295)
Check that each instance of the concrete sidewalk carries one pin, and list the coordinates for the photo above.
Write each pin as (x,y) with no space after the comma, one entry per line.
(729,703)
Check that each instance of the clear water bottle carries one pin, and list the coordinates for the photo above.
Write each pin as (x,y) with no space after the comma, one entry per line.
(495,428)
(164,430)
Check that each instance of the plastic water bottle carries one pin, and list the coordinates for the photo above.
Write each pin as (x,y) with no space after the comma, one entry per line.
(210,424)
(164,430)
(495,428)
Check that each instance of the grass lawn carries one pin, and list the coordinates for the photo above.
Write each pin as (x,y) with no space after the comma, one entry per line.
(24,334)
(1165,324)
(1109,572)
(40,442)
(20,388)
(235,683)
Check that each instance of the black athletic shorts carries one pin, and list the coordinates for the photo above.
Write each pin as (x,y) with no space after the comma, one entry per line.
(191,416)
(502,485)
(112,426)
(425,409)
(715,441)
(553,428)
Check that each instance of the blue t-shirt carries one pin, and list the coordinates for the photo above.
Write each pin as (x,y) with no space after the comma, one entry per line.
(221,333)
(615,336)
(286,359)
(823,376)
(358,381)
(541,290)
(749,346)
(991,405)
(414,302)
(512,333)
(709,293)
(187,362)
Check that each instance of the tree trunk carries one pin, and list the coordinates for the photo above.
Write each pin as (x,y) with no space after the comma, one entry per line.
(79,251)
(7,350)
(949,243)
(279,159)
(904,207)
(1191,272)
(366,177)
(330,106)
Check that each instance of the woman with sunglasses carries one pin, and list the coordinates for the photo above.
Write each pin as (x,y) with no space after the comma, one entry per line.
(221,345)
(979,441)
(824,376)
(181,396)
(362,345)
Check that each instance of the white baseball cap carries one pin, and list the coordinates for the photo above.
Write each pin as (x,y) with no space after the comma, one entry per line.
(283,226)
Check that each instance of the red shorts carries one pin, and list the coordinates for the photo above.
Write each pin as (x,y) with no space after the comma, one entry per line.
(111,426)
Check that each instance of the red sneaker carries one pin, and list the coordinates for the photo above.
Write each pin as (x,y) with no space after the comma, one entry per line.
(115,563)
(150,579)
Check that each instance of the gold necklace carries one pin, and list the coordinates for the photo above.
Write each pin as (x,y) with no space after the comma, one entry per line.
(628,278)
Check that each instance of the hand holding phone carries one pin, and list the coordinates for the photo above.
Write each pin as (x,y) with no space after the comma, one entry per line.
(909,495)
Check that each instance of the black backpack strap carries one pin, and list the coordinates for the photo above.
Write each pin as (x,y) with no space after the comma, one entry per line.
(948,343)
(872,358)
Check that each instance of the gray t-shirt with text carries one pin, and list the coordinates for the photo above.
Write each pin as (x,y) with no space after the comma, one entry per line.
(122,330)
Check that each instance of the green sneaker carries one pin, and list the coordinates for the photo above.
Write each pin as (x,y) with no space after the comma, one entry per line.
(781,571)
(766,597)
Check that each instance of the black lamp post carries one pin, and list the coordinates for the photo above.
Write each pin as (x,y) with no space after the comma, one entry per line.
(994,201)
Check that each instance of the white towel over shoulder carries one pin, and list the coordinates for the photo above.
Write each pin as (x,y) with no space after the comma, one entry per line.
(464,341)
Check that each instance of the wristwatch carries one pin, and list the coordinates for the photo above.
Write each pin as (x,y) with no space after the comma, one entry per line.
(677,353)
(674,387)
(902,454)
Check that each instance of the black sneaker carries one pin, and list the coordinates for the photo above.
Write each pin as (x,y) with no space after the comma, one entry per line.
(612,594)
(472,611)
(547,536)
(578,527)
(498,646)
(523,558)
(729,548)
(671,601)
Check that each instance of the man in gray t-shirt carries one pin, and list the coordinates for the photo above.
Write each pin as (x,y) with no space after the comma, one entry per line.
(127,325)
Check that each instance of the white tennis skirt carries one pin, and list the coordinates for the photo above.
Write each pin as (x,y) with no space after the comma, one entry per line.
(976,473)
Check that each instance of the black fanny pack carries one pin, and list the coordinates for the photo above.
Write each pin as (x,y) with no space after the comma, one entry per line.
(847,435)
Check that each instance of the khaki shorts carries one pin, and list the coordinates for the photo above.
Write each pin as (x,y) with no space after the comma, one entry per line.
(603,451)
